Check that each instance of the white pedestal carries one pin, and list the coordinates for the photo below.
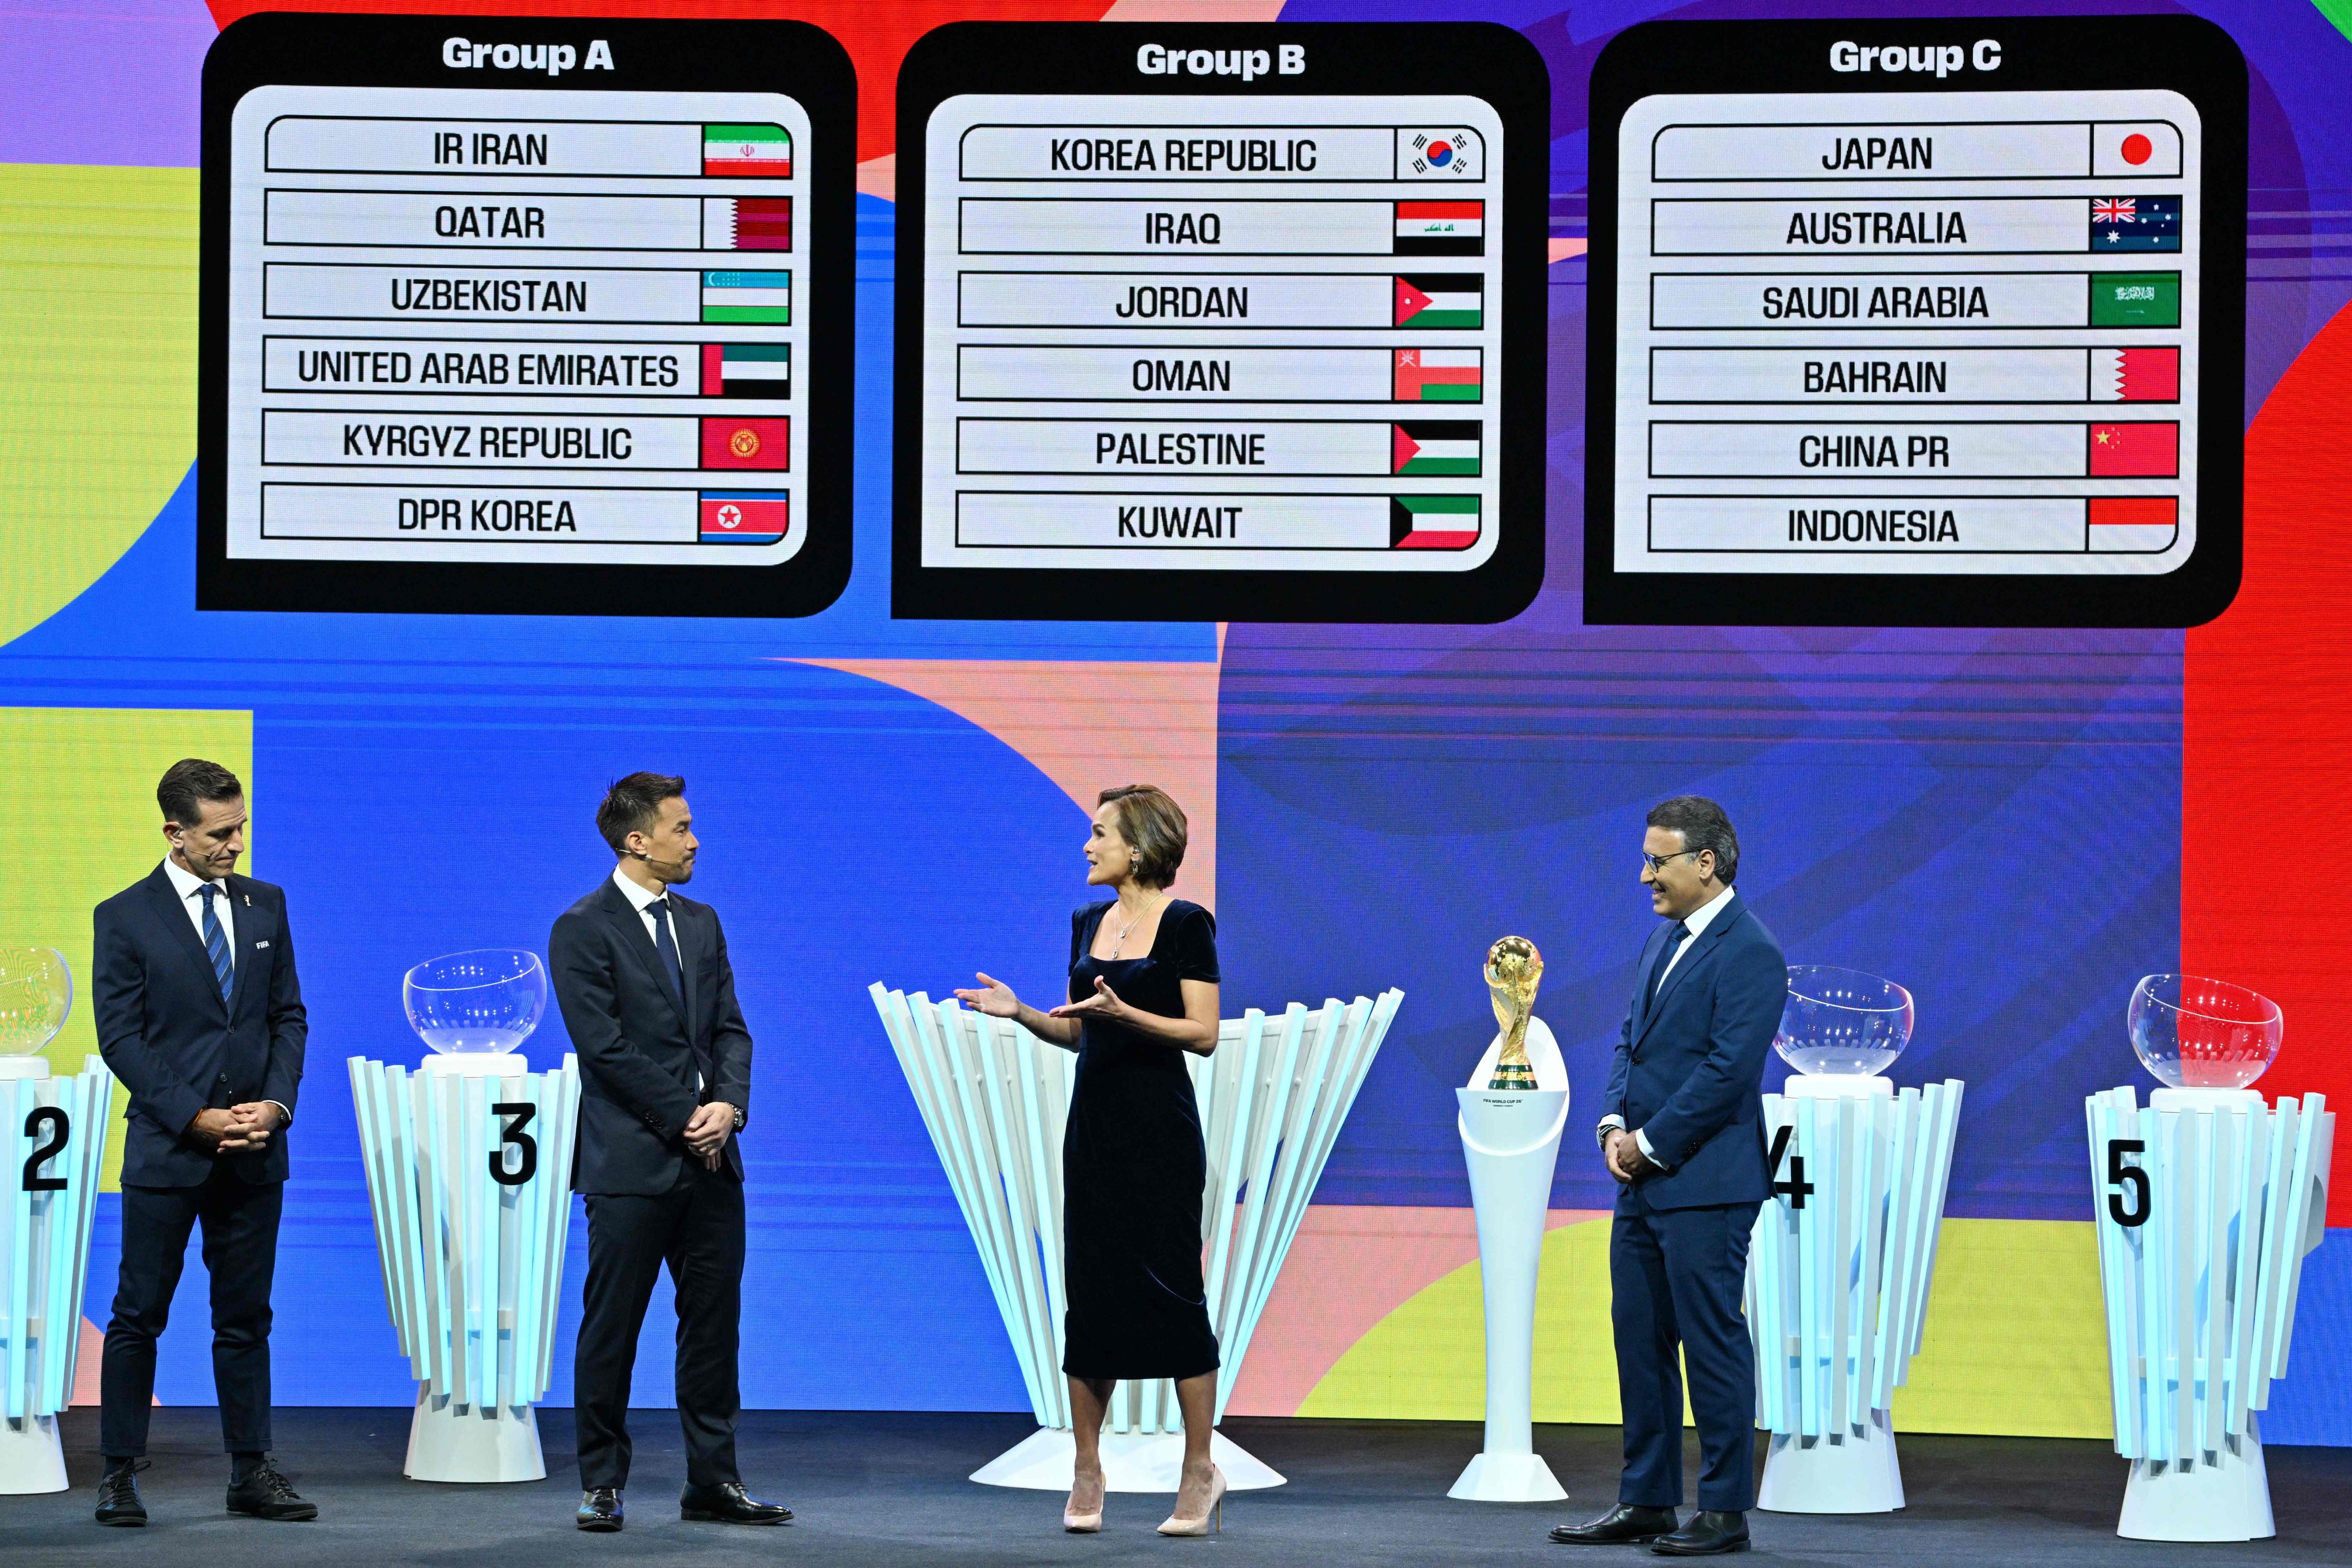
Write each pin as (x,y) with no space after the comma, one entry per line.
(31,1457)
(452,1442)
(2228,1498)
(1838,1274)
(1132,1462)
(1510,1141)
(53,1128)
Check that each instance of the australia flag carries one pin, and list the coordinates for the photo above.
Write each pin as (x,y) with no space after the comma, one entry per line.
(2135,222)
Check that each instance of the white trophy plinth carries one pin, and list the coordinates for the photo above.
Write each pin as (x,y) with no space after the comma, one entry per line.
(1838,1274)
(1511,1140)
(52,1131)
(469,1178)
(2206,1200)
(995,1098)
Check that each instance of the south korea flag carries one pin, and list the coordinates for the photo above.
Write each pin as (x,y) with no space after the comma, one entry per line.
(1451,154)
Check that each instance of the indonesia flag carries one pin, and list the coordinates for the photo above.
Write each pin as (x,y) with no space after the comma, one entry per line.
(1437,375)
(747,443)
(745,517)
(2134,451)
(1441,229)
(2134,525)
(765,150)
(747,223)
(2135,376)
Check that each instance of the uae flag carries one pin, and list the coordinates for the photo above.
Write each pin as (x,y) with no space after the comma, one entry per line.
(747,443)
(747,150)
(747,223)
(1440,299)
(1441,229)
(1436,447)
(1437,375)
(745,517)
(764,299)
(747,370)
(1432,522)
(2135,376)
(2136,451)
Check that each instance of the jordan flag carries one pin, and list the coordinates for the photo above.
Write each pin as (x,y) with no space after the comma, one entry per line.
(747,443)
(2135,376)
(1440,299)
(1437,375)
(745,517)
(747,150)
(2134,451)
(747,223)
(1436,447)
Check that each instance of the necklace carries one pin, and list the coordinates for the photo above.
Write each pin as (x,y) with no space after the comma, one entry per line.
(1119,940)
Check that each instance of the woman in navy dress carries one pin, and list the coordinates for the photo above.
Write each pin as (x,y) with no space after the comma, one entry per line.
(1142,992)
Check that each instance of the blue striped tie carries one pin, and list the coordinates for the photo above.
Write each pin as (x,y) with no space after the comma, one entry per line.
(216,944)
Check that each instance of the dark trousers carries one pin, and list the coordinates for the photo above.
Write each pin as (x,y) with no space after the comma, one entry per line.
(696,1229)
(240,1221)
(1676,1278)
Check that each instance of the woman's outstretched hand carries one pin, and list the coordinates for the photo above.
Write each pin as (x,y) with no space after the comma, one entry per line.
(1104,1003)
(997,1000)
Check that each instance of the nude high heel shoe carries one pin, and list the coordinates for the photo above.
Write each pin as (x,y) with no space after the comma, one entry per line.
(1173,1525)
(1082,1523)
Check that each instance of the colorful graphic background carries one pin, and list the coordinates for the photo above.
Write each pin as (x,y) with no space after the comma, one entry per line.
(2016,824)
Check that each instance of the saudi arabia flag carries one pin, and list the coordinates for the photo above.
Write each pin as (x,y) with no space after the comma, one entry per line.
(762,297)
(1440,299)
(1436,447)
(747,150)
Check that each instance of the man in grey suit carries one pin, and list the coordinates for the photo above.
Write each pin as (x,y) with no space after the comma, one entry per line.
(648,997)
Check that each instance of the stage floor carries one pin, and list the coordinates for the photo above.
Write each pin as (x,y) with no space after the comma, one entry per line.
(889,1490)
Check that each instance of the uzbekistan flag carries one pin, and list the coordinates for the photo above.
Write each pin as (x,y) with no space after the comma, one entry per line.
(764,299)
(2135,376)
(747,443)
(2120,451)
(747,370)
(1442,299)
(1436,447)
(1432,522)
(2135,222)
(747,150)
(745,517)
(747,223)
(1441,229)
(1437,375)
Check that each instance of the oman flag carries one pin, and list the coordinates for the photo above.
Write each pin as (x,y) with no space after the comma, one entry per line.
(1437,375)
(2133,451)
(1440,299)
(745,517)
(747,443)
(747,150)
(2135,376)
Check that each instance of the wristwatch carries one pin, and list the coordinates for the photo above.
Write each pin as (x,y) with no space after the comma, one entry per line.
(739,1119)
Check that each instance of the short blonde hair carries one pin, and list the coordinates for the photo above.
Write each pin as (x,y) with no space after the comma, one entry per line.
(1153,826)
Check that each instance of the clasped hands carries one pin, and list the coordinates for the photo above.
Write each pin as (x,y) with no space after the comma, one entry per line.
(1623,1153)
(707,1130)
(239,1130)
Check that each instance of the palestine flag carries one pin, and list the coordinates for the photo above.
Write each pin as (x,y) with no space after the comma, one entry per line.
(747,443)
(2135,222)
(747,150)
(2134,451)
(1432,522)
(745,517)
(1442,299)
(1441,229)
(1436,447)
(764,299)
(747,223)
(2135,376)
(747,370)
(1437,375)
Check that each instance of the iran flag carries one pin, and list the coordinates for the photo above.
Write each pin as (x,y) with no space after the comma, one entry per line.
(747,150)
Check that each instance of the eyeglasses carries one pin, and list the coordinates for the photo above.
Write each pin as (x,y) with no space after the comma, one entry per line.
(1657,863)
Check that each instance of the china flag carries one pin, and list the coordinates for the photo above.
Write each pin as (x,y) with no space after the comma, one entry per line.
(747,443)
(2135,450)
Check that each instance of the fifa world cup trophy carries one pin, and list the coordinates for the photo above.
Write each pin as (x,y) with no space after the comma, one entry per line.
(1514,970)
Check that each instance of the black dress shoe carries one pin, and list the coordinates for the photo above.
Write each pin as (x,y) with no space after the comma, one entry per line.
(1621,1525)
(600,1510)
(1709,1531)
(267,1494)
(729,1503)
(117,1496)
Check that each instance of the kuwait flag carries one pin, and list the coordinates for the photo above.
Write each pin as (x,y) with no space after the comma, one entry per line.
(747,223)
(1441,229)
(745,517)
(1432,522)
(747,150)
(2120,451)
(1436,447)
(1437,375)
(2135,376)
(761,298)
(1442,299)
(747,370)
(747,443)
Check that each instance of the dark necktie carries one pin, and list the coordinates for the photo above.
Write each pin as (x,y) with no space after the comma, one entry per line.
(666,945)
(1666,956)
(216,944)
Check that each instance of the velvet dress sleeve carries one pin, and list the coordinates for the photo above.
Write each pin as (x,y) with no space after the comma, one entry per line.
(1196,945)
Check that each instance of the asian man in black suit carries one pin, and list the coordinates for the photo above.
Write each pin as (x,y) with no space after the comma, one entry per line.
(200,1014)
(648,997)
(1683,1135)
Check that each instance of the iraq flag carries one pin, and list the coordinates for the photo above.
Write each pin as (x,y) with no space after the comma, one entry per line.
(2135,222)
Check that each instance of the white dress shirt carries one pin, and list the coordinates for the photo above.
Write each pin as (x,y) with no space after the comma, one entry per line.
(1695,923)
(191,888)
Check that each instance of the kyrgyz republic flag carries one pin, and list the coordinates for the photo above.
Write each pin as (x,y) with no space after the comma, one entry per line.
(758,299)
(745,517)
(1437,375)
(2135,376)
(2135,450)
(747,443)
(747,150)
(747,370)
(1440,299)
(1432,522)
(1436,447)
(1441,229)
(747,223)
